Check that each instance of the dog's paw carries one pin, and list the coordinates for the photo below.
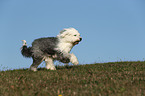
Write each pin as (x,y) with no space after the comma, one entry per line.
(33,69)
(74,60)
(50,68)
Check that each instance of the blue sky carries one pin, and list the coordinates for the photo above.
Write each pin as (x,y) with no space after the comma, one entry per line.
(112,30)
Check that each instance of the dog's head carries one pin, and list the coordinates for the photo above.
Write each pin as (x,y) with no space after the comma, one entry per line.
(70,35)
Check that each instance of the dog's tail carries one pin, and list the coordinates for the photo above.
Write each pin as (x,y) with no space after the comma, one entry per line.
(26,51)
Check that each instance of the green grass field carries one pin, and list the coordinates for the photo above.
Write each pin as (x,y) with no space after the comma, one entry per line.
(109,79)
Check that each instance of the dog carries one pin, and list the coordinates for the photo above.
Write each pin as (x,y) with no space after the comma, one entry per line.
(50,49)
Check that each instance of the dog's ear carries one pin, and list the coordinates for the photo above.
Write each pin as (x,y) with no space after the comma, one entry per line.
(63,33)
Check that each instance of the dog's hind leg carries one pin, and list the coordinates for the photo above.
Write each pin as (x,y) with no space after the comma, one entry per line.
(36,63)
(49,63)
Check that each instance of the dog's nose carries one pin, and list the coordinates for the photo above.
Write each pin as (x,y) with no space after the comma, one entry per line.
(80,39)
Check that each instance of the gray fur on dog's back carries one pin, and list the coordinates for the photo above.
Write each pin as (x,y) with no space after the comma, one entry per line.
(44,46)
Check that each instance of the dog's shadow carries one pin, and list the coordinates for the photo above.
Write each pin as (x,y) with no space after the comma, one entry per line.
(57,68)
(64,67)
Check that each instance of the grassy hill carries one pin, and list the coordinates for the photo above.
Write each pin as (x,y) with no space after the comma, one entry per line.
(109,79)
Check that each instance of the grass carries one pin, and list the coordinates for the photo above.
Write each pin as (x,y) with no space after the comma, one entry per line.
(109,79)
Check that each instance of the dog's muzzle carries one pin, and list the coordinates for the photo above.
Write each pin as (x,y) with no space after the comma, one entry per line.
(77,42)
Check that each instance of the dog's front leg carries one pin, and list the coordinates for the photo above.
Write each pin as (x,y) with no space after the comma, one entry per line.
(73,59)
(49,63)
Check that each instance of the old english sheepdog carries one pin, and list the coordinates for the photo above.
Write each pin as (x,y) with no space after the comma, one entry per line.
(53,48)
